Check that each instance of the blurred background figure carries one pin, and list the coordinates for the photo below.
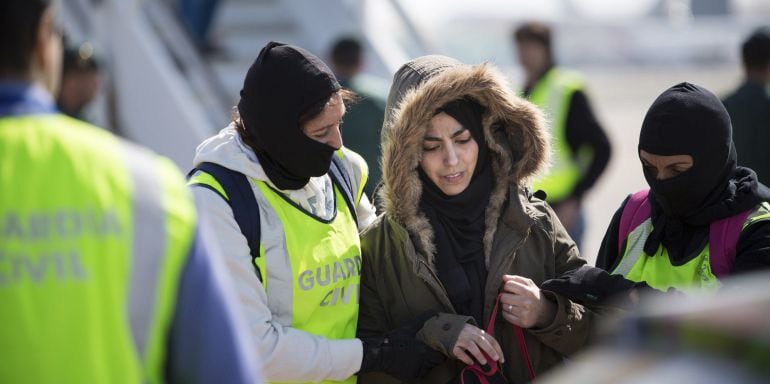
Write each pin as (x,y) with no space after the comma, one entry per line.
(80,82)
(109,278)
(581,148)
(749,105)
(363,121)
(197,16)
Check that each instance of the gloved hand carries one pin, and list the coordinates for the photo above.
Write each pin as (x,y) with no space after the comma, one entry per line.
(591,285)
(400,354)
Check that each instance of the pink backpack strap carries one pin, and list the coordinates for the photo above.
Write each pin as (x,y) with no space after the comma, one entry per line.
(723,241)
(635,212)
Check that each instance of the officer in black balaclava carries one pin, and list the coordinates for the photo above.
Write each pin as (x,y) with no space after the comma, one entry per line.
(282,84)
(689,120)
(284,87)
(689,162)
(691,166)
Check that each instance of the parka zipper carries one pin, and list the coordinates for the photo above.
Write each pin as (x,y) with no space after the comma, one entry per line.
(514,254)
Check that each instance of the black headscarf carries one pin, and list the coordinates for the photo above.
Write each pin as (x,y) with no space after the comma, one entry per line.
(458,221)
(283,83)
(690,120)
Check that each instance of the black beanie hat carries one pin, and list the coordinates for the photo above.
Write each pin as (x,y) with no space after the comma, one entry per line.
(283,83)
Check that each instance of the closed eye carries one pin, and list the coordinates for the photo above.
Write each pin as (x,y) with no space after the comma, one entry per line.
(679,169)
(321,133)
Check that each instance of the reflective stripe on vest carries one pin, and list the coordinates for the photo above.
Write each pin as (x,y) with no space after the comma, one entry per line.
(760,214)
(553,94)
(311,267)
(204,178)
(93,236)
(657,270)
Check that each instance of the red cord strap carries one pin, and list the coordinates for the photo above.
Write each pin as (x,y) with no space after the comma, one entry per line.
(480,373)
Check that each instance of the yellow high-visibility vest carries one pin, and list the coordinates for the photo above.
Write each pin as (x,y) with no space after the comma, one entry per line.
(94,233)
(553,94)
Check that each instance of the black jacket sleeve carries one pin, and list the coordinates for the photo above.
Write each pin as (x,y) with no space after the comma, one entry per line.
(583,129)
(753,249)
(608,256)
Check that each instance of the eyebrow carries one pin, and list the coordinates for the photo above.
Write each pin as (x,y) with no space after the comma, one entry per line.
(457,133)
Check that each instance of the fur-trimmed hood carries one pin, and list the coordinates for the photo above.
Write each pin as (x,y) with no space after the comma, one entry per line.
(515,131)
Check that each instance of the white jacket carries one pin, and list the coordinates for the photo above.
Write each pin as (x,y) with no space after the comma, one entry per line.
(288,354)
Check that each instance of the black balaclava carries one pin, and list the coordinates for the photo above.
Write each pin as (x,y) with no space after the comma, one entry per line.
(282,84)
(458,221)
(690,120)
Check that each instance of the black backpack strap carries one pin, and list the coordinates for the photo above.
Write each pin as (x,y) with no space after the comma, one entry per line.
(342,179)
(242,201)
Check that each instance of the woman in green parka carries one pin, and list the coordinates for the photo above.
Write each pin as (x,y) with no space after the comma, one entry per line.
(460,226)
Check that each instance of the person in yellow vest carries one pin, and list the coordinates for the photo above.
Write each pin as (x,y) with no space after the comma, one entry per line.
(704,218)
(286,201)
(104,276)
(580,145)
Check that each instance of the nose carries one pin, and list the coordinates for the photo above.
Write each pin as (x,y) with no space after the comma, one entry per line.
(664,174)
(335,138)
(450,156)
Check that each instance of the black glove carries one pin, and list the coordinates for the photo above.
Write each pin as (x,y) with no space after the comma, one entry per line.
(591,285)
(400,354)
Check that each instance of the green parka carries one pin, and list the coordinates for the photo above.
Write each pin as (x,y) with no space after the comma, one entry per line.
(523,236)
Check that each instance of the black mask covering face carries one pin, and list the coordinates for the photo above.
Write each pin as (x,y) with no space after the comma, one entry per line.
(283,83)
(690,120)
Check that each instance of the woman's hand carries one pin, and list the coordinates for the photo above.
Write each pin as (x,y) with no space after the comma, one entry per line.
(523,304)
(473,343)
